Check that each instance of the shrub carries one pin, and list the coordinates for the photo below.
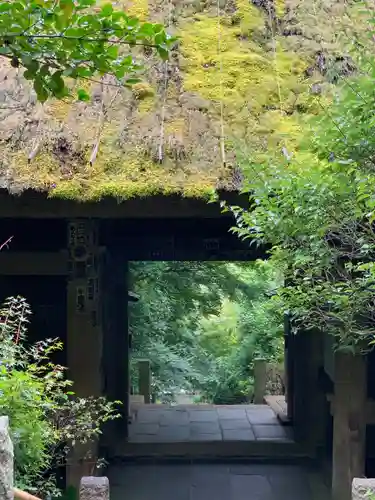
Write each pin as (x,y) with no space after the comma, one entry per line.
(45,420)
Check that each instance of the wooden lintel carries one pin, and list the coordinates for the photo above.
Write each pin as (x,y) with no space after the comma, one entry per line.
(33,263)
(37,205)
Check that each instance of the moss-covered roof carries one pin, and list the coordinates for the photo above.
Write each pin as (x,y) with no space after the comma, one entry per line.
(164,135)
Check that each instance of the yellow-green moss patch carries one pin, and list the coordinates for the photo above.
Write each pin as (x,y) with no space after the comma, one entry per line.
(138,8)
(280,7)
(225,67)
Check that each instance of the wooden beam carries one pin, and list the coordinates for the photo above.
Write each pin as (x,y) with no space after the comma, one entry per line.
(33,263)
(37,205)
(349,423)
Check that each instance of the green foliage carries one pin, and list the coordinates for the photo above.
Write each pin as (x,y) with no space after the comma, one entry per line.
(54,40)
(164,323)
(317,208)
(200,324)
(248,326)
(45,420)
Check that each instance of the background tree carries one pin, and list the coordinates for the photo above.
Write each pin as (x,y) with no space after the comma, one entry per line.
(317,210)
(199,322)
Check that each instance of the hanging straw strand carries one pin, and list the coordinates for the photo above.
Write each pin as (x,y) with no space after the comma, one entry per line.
(222,127)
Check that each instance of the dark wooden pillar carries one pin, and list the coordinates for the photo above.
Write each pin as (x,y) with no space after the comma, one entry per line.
(308,399)
(316,420)
(116,358)
(84,332)
(289,365)
(349,423)
(300,385)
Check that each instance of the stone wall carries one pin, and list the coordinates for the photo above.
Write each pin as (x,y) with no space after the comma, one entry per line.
(6,461)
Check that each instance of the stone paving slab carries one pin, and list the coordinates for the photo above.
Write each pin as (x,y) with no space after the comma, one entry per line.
(175,433)
(205,423)
(174,418)
(231,414)
(203,416)
(215,482)
(206,437)
(269,431)
(262,416)
(205,427)
(238,435)
(230,424)
(251,486)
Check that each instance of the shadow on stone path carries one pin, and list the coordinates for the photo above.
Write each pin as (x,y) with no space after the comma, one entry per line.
(215,482)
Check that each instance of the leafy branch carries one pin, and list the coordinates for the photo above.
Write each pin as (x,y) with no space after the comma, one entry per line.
(59,39)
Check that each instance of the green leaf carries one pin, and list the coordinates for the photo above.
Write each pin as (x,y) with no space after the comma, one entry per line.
(67,6)
(112,51)
(76,32)
(107,10)
(163,53)
(83,95)
(29,75)
(132,81)
(57,84)
(30,63)
(160,38)
(44,70)
(5,7)
(86,3)
(116,16)
(146,29)
(40,89)
(158,28)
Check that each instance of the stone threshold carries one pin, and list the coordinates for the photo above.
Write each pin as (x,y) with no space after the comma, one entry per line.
(258,450)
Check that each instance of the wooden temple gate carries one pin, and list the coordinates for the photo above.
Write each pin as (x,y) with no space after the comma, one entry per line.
(84,250)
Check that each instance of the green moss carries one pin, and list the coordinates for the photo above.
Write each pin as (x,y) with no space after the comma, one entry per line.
(138,8)
(69,190)
(280,8)
(175,127)
(142,90)
(117,176)
(251,18)
(245,77)
(265,102)
(144,94)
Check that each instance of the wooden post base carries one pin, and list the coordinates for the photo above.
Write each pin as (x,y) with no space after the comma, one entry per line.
(349,423)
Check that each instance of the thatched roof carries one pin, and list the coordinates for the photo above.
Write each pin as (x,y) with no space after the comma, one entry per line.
(164,136)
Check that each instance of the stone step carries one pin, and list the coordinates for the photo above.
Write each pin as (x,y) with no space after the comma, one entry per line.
(260,449)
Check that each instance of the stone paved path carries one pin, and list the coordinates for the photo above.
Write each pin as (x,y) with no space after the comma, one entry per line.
(215,482)
(162,423)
